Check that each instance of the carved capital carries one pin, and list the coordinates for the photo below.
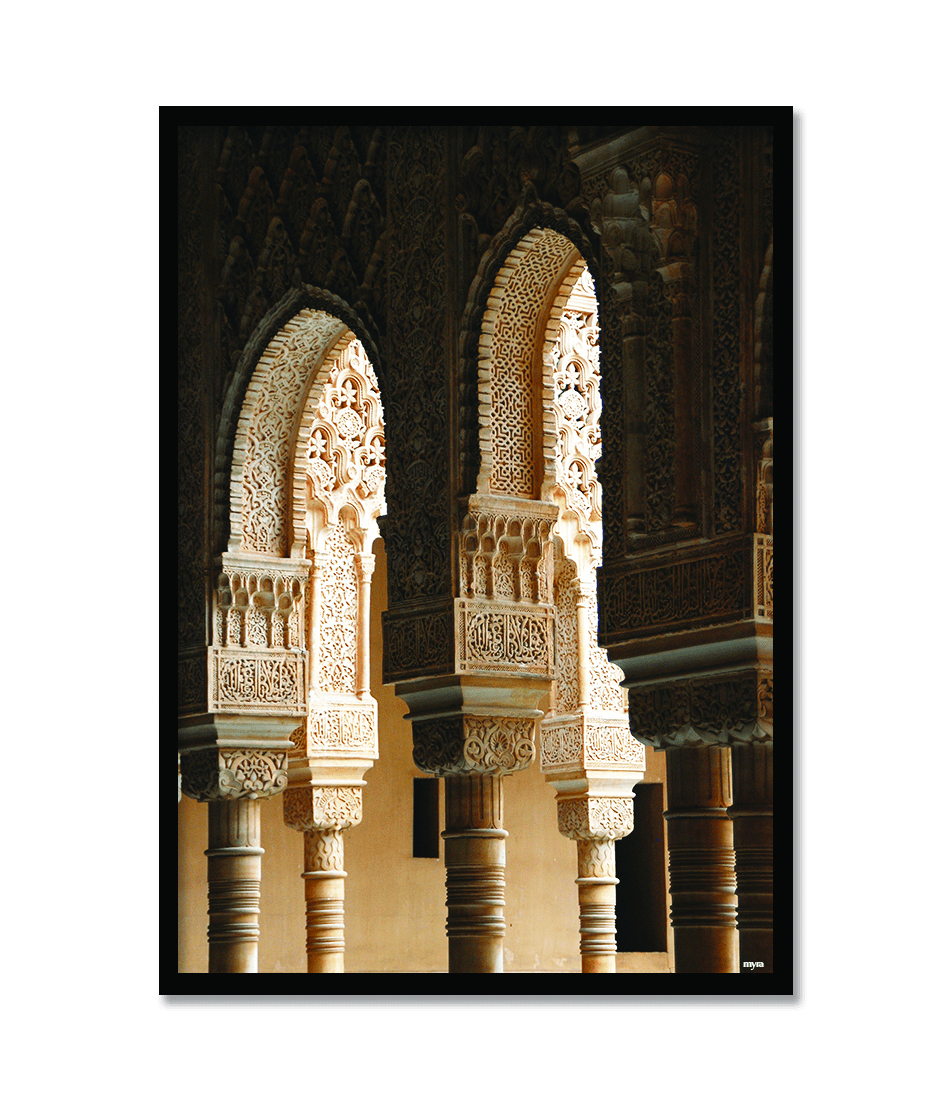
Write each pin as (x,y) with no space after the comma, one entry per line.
(707,711)
(473,744)
(593,818)
(209,775)
(326,807)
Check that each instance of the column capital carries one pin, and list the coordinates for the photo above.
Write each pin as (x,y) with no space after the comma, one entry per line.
(365,565)
(715,710)
(213,774)
(324,807)
(591,817)
(473,745)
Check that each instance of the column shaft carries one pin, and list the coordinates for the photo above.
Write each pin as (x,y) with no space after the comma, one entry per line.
(323,888)
(597,894)
(751,814)
(475,873)
(702,860)
(234,885)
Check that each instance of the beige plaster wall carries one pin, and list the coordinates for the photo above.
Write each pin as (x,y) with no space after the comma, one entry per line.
(395,904)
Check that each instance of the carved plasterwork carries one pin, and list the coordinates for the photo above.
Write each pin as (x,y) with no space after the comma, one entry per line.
(589,740)
(258,682)
(763,577)
(506,550)
(482,744)
(595,818)
(323,807)
(211,774)
(342,444)
(260,488)
(697,592)
(335,728)
(575,361)
(259,605)
(705,711)
(507,352)
(504,637)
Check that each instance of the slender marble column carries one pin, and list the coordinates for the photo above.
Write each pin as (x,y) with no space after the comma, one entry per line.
(323,887)
(475,873)
(584,591)
(702,860)
(751,814)
(597,893)
(234,885)
(365,564)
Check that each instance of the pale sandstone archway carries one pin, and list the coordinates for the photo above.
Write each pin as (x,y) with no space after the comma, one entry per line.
(287,523)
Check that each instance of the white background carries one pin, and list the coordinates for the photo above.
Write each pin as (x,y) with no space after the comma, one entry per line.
(81,378)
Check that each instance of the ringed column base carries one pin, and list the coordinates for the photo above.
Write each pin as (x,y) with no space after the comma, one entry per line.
(598,905)
(234,885)
(702,861)
(475,873)
(323,890)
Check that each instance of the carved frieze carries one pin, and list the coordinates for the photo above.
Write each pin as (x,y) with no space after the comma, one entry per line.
(716,587)
(323,807)
(473,744)
(704,711)
(337,728)
(590,740)
(211,774)
(504,637)
(259,605)
(418,643)
(259,682)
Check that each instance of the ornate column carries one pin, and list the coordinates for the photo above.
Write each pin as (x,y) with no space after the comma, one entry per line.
(474,753)
(232,782)
(234,740)
(751,814)
(342,464)
(587,752)
(322,813)
(702,860)
(695,721)
(475,873)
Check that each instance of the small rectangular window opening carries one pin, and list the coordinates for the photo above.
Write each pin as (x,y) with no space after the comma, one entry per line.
(425,818)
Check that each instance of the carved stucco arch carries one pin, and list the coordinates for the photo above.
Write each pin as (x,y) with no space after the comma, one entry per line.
(231,439)
(518,330)
(530,215)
